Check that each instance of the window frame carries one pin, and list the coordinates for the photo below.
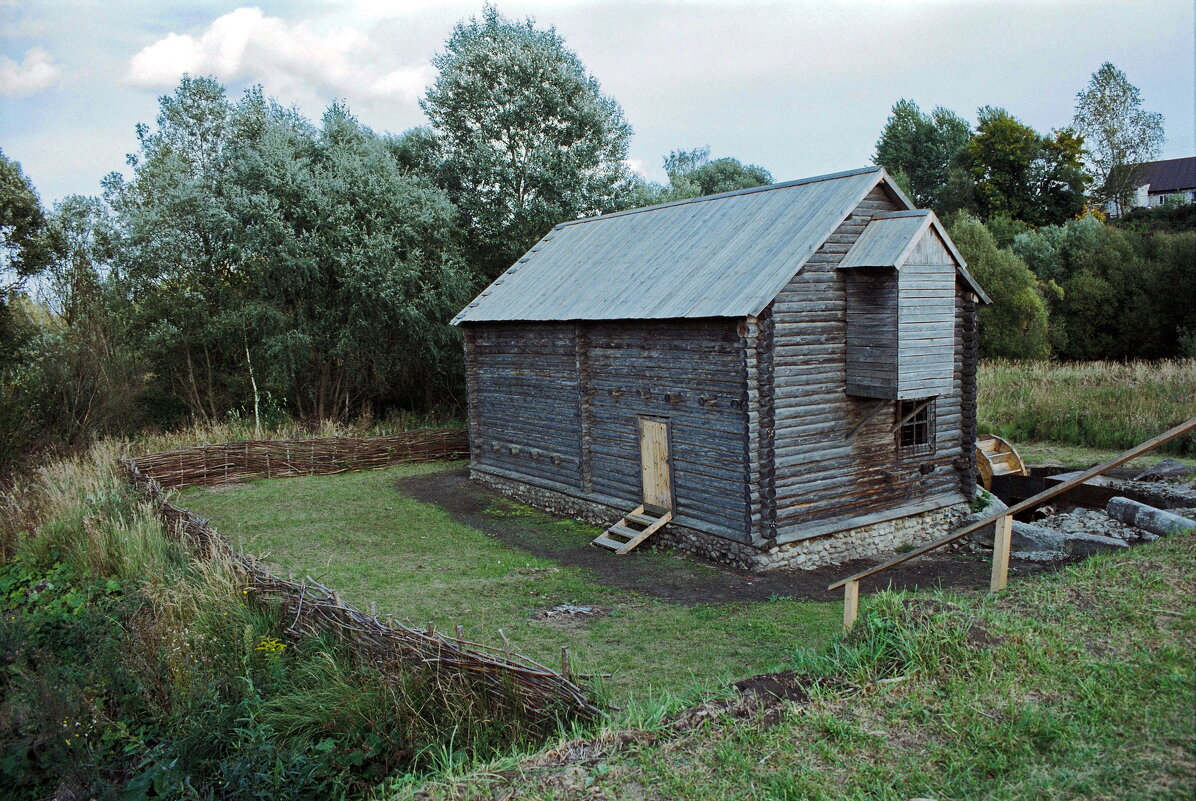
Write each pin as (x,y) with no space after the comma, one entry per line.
(915,437)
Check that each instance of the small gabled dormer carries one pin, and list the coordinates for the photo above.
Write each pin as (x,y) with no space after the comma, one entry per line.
(900,278)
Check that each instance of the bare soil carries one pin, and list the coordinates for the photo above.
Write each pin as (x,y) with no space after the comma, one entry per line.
(683,578)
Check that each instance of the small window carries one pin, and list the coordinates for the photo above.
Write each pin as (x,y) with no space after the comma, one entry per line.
(915,427)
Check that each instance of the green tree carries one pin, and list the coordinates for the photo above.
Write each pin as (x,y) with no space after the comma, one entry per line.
(268,258)
(178,250)
(1015,324)
(527,137)
(27,244)
(1120,135)
(692,174)
(354,268)
(1023,175)
(925,148)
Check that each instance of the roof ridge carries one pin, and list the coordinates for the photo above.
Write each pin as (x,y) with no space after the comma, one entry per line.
(719,196)
(1164,161)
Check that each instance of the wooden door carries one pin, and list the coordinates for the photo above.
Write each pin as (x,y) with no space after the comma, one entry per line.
(654,466)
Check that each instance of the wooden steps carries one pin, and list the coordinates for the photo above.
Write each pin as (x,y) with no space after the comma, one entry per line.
(633,529)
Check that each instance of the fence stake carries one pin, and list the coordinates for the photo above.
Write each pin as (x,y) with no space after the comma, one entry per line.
(506,644)
(1002,534)
(565,671)
(851,603)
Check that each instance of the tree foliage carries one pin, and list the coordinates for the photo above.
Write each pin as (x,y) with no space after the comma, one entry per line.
(27,245)
(264,255)
(925,149)
(1023,175)
(526,137)
(1119,133)
(692,174)
(1014,325)
(1122,294)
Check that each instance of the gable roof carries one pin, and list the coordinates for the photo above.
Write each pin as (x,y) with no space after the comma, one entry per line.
(725,255)
(888,240)
(1169,175)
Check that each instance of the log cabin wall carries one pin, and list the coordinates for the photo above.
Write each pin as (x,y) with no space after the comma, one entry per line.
(926,320)
(871,332)
(524,401)
(557,405)
(835,455)
(690,372)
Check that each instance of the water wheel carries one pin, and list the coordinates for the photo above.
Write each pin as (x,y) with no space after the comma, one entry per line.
(996,457)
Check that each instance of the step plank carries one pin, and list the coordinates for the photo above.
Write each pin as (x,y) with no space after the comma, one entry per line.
(623,531)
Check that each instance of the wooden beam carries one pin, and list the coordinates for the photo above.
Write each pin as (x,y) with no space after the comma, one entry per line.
(1001,541)
(871,413)
(1029,503)
(909,416)
(851,603)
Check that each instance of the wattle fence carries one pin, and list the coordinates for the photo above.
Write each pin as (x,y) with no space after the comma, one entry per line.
(395,647)
(205,465)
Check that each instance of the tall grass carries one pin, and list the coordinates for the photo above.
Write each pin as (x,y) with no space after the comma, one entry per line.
(167,674)
(1111,405)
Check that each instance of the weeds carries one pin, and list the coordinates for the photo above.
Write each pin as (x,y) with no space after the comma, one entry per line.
(1094,404)
(134,668)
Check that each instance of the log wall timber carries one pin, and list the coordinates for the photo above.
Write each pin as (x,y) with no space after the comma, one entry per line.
(967,361)
(525,401)
(823,476)
(559,405)
(690,372)
(871,331)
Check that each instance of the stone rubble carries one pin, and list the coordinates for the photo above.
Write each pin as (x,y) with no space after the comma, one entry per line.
(1161,494)
(1070,531)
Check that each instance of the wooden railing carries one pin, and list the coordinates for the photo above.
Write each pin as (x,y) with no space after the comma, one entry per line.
(1004,526)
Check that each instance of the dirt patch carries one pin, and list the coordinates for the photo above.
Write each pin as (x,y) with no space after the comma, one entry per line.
(682,578)
(226,486)
(569,617)
(786,686)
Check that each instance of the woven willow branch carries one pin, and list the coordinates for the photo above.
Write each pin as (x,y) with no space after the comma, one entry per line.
(509,679)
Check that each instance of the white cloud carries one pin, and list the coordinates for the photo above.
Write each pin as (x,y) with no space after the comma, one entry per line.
(639,166)
(295,61)
(35,73)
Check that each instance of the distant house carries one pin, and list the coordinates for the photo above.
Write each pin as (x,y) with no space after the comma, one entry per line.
(788,373)
(1156,182)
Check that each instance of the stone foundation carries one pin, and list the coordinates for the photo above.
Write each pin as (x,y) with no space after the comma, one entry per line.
(870,540)
(828,549)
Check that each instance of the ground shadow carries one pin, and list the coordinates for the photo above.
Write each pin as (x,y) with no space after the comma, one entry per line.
(675,576)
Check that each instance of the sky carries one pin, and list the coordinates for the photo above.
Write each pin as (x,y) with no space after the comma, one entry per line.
(802,88)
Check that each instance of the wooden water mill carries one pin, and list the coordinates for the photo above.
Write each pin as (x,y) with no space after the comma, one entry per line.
(996,457)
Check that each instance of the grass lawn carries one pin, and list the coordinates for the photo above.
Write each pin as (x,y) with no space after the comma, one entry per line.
(1071,685)
(356,533)
(1054,453)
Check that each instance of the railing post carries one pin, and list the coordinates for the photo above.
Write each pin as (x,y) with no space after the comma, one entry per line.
(1002,534)
(851,603)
